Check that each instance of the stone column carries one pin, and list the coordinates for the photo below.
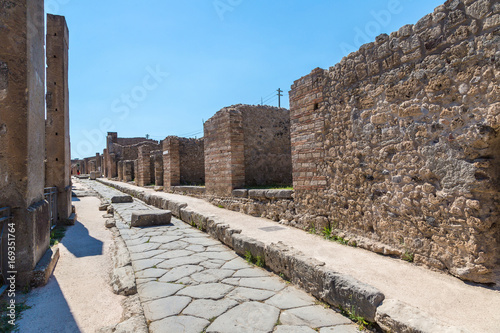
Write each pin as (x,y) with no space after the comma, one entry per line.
(171,163)
(22,130)
(143,174)
(158,168)
(58,152)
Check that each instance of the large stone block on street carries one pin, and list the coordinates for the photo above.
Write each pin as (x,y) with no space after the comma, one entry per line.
(121,199)
(150,218)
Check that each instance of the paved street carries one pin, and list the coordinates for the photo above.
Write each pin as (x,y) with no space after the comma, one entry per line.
(189,282)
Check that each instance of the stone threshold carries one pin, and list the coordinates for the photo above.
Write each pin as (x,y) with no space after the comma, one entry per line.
(333,288)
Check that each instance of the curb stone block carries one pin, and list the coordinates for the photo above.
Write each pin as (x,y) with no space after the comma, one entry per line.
(307,273)
(242,244)
(278,258)
(186,215)
(150,218)
(396,316)
(352,294)
(123,281)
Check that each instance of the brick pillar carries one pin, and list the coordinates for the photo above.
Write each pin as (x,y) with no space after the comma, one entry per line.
(58,151)
(98,164)
(128,171)
(159,169)
(143,174)
(224,152)
(105,159)
(171,163)
(113,171)
(22,130)
(136,171)
(306,103)
(120,170)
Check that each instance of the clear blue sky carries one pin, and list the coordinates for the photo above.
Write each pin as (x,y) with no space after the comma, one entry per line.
(161,67)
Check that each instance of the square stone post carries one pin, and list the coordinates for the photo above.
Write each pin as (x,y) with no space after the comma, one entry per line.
(22,130)
(171,163)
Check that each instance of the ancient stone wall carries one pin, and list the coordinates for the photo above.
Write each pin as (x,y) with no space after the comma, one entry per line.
(145,171)
(247,146)
(398,143)
(183,162)
(22,130)
(192,161)
(120,149)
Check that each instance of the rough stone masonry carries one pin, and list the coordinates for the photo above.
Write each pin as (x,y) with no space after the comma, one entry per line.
(398,143)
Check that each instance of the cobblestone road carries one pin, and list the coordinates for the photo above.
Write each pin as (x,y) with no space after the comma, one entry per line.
(189,282)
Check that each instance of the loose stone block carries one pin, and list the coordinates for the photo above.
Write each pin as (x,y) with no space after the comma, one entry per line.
(150,218)
(122,199)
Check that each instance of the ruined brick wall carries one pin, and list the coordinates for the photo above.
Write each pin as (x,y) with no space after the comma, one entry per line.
(171,163)
(183,162)
(398,143)
(123,149)
(143,172)
(224,152)
(247,146)
(133,141)
(192,161)
(266,133)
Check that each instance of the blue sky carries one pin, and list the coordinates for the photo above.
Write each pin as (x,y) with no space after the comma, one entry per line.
(162,67)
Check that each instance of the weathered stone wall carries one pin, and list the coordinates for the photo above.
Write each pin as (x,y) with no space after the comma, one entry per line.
(247,146)
(143,172)
(192,161)
(266,133)
(22,130)
(398,143)
(183,162)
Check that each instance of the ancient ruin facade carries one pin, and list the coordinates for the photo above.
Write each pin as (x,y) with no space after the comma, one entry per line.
(183,162)
(22,132)
(398,143)
(120,149)
(247,146)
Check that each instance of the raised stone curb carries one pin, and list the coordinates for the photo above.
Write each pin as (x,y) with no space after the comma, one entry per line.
(308,273)
(150,218)
(45,267)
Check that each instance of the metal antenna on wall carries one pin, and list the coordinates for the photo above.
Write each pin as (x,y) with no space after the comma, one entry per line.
(279,96)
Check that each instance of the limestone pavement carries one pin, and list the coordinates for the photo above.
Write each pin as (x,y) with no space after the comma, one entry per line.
(189,282)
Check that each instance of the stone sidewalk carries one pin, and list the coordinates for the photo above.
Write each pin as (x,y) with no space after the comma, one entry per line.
(190,282)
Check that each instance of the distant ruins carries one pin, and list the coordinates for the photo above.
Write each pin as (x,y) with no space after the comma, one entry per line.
(34,195)
(395,147)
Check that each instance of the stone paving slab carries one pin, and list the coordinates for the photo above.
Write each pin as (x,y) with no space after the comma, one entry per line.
(189,282)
